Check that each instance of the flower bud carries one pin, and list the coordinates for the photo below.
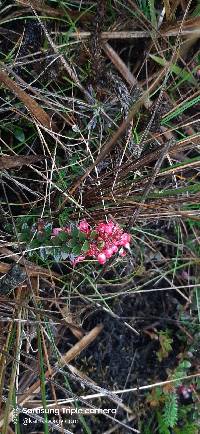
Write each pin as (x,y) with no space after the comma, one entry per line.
(114,249)
(122,252)
(84,226)
(108,252)
(101,258)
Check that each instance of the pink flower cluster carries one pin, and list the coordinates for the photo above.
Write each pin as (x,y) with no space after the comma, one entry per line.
(105,239)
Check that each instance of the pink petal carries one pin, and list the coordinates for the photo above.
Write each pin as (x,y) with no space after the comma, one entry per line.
(125,238)
(84,226)
(109,227)
(114,249)
(108,252)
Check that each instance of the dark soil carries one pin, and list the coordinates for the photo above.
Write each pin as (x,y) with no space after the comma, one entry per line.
(120,359)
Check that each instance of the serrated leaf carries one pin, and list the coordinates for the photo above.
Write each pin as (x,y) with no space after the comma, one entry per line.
(163,429)
(170,411)
(165,345)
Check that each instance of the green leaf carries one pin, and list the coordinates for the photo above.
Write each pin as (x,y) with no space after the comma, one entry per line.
(73,242)
(174,68)
(152,13)
(62,236)
(25,235)
(76,250)
(35,243)
(185,105)
(93,235)
(64,217)
(170,411)
(75,233)
(185,364)
(19,134)
(165,345)
(82,236)
(163,429)
(65,249)
(85,246)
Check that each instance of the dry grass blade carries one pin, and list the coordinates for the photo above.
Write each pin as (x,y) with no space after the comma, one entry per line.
(152,156)
(32,106)
(192,23)
(3,360)
(70,71)
(136,389)
(80,346)
(120,65)
(47,10)
(168,10)
(109,145)
(147,189)
(13,372)
(31,268)
(134,34)
(67,318)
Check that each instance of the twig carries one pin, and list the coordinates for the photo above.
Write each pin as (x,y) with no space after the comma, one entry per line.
(136,389)
(120,65)
(131,34)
